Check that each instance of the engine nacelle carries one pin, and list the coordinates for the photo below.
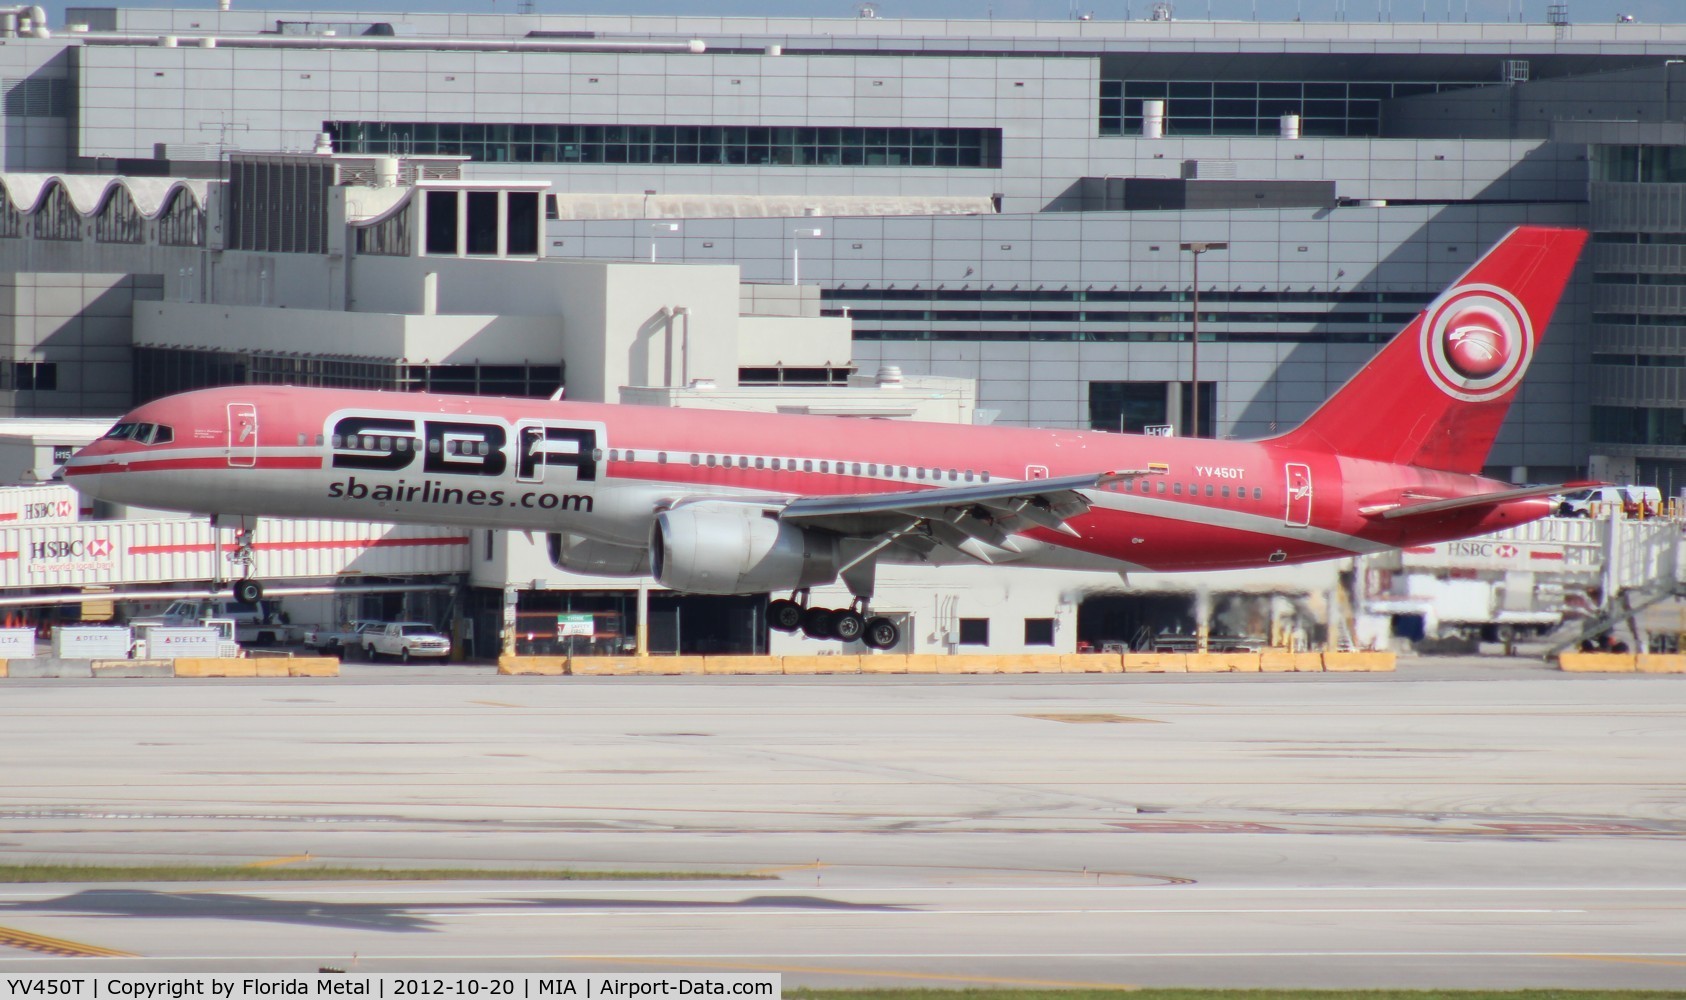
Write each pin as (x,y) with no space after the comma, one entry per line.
(727,548)
(579,554)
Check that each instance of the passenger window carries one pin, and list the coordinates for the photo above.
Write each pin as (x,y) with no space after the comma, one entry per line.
(711,461)
(1226,492)
(484,448)
(1258,494)
(338,441)
(1177,488)
(904,472)
(301,439)
(661,458)
(614,456)
(1161,488)
(825,466)
(986,477)
(807,465)
(872,470)
(968,475)
(696,459)
(432,445)
(919,473)
(760,463)
(403,444)
(775,465)
(631,455)
(1209,490)
(856,469)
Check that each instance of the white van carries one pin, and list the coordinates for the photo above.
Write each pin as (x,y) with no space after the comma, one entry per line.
(1633,501)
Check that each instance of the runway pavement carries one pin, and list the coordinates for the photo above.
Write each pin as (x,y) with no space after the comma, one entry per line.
(1461,823)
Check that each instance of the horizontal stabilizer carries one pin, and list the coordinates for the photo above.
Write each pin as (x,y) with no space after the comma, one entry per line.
(1416,505)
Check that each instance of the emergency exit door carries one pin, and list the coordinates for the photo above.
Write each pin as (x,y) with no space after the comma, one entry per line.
(1298,514)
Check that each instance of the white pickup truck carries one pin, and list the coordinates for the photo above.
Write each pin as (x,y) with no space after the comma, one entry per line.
(406,641)
(261,624)
(334,640)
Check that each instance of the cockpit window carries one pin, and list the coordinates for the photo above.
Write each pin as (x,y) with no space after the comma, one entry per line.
(141,433)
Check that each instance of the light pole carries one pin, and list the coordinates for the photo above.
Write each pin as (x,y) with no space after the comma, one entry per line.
(796,252)
(657,228)
(1194,342)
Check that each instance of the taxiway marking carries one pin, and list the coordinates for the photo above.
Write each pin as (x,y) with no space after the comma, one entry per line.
(880,973)
(56,947)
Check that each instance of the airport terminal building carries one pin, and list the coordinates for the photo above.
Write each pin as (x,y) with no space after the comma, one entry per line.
(821,215)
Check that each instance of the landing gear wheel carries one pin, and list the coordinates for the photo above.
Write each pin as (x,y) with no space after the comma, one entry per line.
(816,623)
(784,615)
(248,591)
(881,633)
(847,626)
(404,655)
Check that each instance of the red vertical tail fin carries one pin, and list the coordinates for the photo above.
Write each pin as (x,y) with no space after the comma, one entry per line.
(1437,393)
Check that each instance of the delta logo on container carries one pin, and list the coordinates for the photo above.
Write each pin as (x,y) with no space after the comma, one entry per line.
(62,555)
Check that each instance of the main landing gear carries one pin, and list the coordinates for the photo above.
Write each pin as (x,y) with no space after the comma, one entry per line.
(856,623)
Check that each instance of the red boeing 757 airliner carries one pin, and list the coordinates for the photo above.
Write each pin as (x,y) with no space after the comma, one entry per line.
(741,503)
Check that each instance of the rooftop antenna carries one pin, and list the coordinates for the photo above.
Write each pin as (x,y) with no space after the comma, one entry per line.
(526,7)
(867,11)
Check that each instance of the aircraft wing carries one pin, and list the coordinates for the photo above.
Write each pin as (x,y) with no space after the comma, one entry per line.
(1415,505)
(967,518)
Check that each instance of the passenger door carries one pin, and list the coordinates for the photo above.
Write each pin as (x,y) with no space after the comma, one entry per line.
(1298,480)
(242,435)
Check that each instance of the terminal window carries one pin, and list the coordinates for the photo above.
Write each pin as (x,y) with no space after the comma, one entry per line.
(700,145)
(974,631)
(1038,631)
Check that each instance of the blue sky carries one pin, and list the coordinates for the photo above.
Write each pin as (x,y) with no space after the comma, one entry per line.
(1580,11)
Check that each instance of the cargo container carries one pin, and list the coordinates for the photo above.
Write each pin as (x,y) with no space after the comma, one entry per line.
(42,503)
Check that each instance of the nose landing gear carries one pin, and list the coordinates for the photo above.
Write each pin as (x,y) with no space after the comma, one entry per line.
(856,623)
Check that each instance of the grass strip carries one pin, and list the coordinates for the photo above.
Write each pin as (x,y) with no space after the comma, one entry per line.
(1186,994)
(327,873)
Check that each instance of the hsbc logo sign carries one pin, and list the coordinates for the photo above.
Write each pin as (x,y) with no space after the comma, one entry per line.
(61,554)
(58,510)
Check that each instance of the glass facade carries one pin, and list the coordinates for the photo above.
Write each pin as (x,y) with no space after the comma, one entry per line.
(162,371)
(700,145)
(1242,107)
(1639,164)
(1101,316)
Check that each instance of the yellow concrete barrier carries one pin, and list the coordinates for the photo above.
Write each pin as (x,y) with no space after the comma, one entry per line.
(1155,663)
(1223,663)
(1091,663)
(742,665)
(884,663)
(610,666)
(2,668)
(1358,662)
(216,667)
(846,663)
(1661,663)
(1598,663)
(1280,661)
(1032,663)
(972,663)
(548,666)
(305,666)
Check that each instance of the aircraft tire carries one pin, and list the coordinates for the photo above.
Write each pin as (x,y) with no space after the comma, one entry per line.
(847,626)
(248,591)
(784,615)
(881,633)
(816,623)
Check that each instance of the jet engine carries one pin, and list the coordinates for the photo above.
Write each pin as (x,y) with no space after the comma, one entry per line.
(579,554)
(727,548)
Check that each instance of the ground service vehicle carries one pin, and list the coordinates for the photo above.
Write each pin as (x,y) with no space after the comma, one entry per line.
(259,624)
(716,502)
(333,640)
(406,641)
(1632,501)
